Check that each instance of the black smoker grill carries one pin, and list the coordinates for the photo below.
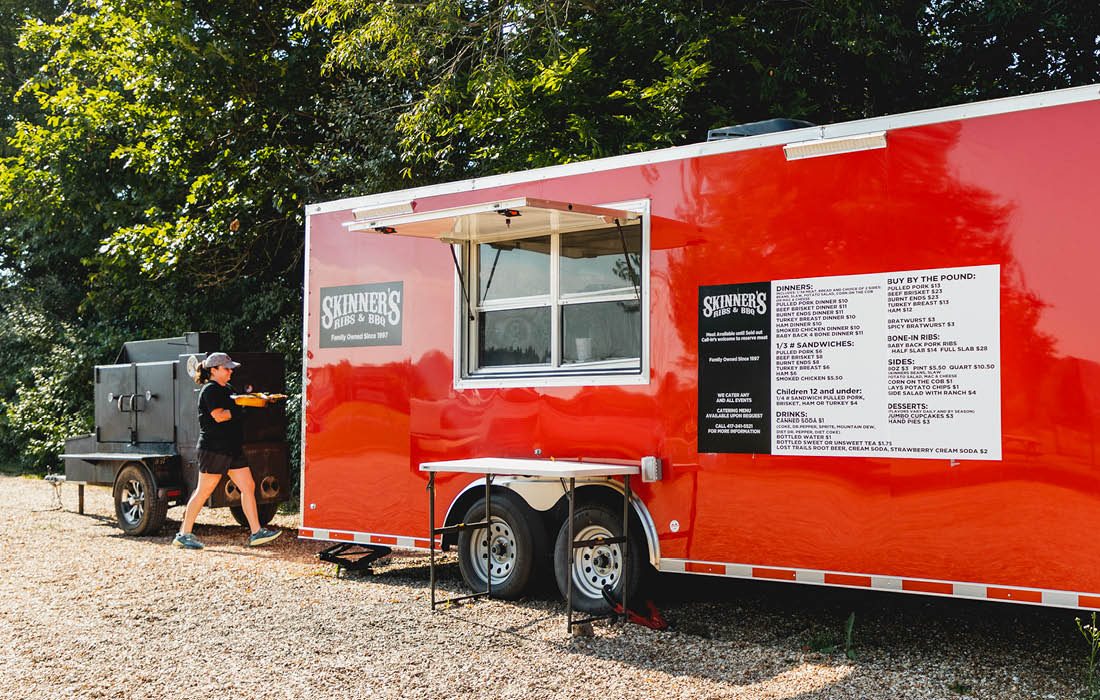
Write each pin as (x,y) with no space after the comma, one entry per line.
(147,422)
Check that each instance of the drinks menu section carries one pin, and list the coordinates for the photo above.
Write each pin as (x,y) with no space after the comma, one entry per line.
(899,364)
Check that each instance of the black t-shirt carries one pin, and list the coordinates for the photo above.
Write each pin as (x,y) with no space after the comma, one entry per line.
(226,437)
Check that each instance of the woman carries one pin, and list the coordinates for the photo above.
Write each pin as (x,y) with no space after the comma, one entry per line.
(220,451)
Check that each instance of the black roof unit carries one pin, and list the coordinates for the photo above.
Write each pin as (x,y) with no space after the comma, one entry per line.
(767,126)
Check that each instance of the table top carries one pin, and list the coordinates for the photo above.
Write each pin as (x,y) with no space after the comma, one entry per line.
(561,469)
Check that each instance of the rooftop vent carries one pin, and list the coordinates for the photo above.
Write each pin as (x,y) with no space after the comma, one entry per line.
(768,126)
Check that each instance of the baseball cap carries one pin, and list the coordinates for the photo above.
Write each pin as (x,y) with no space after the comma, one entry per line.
(219,359)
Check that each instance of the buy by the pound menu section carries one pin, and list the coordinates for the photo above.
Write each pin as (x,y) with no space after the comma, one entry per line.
(893,364)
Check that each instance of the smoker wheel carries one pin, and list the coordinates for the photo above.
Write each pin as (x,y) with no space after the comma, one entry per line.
(138,507)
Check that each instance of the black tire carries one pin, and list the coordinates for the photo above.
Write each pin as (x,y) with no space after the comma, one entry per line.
(265,511)
(594,567)
(138,508)
(517,544)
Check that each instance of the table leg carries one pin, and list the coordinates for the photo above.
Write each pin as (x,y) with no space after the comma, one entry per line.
(569,560)
(431,534)
(489,536)
(626,540)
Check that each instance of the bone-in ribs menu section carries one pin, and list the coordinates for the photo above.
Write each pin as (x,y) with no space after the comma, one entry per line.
(897,364)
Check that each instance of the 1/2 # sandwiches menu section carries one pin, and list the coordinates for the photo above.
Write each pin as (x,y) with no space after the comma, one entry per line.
(897,364)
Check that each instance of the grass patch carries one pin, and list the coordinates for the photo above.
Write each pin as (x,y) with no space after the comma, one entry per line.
(960,688)
(290,507)
(828,642)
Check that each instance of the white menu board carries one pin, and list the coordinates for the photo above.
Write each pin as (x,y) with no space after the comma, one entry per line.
(892,364)
(901,364)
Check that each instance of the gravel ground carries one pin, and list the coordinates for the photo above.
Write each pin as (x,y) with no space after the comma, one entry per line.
(88,613)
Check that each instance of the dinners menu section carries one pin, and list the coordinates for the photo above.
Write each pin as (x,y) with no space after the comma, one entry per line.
(899,364)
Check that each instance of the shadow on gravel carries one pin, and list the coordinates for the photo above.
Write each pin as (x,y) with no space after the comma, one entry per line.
(102,520)
(221,539)
(965,641)
(803,617)
(793,620)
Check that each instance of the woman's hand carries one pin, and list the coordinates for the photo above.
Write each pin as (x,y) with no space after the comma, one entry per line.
(221,415)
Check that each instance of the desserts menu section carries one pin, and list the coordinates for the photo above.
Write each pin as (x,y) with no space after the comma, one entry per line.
(898,364)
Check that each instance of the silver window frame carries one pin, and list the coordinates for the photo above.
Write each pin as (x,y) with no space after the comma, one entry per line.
(597,373)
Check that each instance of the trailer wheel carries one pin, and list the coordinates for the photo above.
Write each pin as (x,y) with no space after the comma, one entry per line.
(595,566)
(138,507)
(265,511)
(515,541)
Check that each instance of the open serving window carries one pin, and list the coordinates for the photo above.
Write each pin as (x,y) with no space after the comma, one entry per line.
(550,291)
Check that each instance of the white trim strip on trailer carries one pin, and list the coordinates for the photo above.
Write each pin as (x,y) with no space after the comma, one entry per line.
(324,535)
(896,584)
(304,396)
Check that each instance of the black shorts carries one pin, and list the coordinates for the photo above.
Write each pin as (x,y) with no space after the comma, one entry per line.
(220,462)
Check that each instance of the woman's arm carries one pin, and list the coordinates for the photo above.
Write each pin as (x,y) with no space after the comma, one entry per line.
(221,415)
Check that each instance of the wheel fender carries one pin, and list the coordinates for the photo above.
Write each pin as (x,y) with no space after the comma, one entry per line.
(157,486)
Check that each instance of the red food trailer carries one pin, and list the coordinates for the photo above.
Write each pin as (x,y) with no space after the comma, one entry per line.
(863,354)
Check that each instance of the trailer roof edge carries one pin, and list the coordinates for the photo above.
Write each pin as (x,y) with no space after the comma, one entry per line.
(1002,105)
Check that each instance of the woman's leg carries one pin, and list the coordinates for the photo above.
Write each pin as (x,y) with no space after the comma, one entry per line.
(206,486)
(243,479)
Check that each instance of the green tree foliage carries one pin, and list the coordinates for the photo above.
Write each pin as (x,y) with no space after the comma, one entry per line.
(524,84)
(154,184)
(156,156)
(507,85)
(16,64)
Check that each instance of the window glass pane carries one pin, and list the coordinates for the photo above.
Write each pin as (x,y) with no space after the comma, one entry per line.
(593,261)
(609,330)
(514,337)
(511,269)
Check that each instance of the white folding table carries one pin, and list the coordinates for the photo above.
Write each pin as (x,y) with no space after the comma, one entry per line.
(561,470)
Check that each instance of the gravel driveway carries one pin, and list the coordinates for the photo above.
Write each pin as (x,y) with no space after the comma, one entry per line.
(88,613)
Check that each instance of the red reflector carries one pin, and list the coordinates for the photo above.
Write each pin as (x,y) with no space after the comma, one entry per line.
(848,580)
(173,494)
(1014,594)
(698,567)
(927,587)
(776,574)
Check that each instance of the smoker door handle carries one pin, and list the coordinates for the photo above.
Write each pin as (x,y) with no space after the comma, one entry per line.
(123,397)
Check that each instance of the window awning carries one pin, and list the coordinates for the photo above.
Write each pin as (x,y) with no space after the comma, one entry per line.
(489,221)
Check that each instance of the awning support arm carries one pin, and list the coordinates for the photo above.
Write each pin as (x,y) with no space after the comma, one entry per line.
(626,259)
(462,282)
(492,272)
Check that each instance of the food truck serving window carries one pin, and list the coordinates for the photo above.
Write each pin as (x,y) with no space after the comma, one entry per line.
(559,301)
(549,289)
